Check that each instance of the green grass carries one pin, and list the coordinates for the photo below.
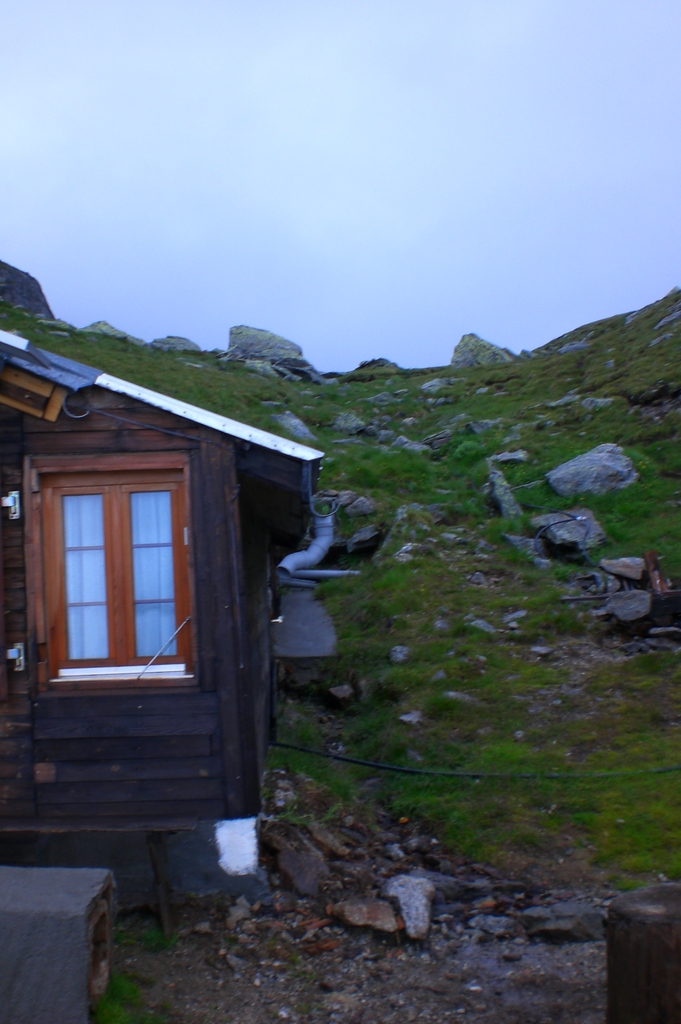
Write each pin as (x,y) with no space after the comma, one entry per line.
(122,1004)
(626,712)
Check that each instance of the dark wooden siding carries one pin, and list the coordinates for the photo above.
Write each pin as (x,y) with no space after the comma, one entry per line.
(146,756)
(17,798)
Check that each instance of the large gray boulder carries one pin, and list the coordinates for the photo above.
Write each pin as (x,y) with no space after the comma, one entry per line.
(105,330)
(20,289)
(501,496)
(565,922)
(174,343)
(294,425)
(253,344)
(475,351)
(573,530)
(605,468)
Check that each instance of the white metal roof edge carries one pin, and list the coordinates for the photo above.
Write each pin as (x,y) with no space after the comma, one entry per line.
(209,419)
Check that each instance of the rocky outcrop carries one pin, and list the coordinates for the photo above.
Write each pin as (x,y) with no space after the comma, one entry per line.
(251,344)
(174,343)
(474,351)
(105,330)
(605,468)
(20,289)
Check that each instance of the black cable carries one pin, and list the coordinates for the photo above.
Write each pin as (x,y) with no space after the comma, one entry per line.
(477,775)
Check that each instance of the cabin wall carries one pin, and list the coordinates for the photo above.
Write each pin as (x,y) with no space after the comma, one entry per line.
(16,766)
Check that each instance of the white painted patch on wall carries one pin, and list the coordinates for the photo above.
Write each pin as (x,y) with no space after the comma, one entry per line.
(237,842)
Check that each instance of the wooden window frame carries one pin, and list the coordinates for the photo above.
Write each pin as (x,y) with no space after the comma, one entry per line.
(115,476)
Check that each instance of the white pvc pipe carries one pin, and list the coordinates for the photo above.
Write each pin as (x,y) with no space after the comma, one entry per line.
(323,539)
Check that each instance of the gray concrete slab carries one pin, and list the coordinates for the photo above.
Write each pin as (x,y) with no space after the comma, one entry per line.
(307,629)
(47,942)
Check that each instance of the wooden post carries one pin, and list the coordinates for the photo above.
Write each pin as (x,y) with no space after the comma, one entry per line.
(158,852)
(644,956)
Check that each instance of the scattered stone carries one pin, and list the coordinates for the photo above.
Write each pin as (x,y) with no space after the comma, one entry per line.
(346,498)
(480,426)
(478,579)
(382,398)
(573,346)
(174,343)
(629,605)
(362,506)
(465,698)
(439,440)
(348,423)
(472,350)
(482,624)
(592,404)
(342,695)
(385,436)
(410,446)
(204,928)
(604,468)
(571,397)
(514,616)
(294,425)
(398,654)
(303,872)
(359,913)
(262,367)
(415,897)
(519,455)
(442,625)
(407,552)
(573,530)
(501,495)
(565,922)
(394,851)
(327,841)
(494,924)
(438,676)
(541,651)
(236,915)
(366,539)
(631,568)
(412,718)
(433,386)
(103,328)
(528,546)
(673,632)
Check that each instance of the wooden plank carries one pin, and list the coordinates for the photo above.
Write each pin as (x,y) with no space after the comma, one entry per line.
(15,750)
(169,747)
(54,404)
(138,769)
(16,769)
(17,808)
(141,418)
(16,790)
(264,464)
(657,580)
(204,809)
(123,440)
(58,826)
(145,725)
(145,790)
(12,727)
(141,704)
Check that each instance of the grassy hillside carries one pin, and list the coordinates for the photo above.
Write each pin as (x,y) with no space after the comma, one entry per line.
(585,706)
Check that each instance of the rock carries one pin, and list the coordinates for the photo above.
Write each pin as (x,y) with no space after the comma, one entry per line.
(369,364)
(366,539)
(604,468)
(236,915)
(478,579)
(571,397)
(174,343)
(631,568)
(204,928)
(254,343)
(359,913)
(327,841)
(439,440)
(393,850)
(482,624)
(438,676)
(458,695)
(262,367)
(103,328)
(480,426)
(20,289)
(494,924)
(385,436)
(565,922)
(433,386)
(407,552)
(519,455)
(527,546)
(342,695)
(410,446)
(501,495)
(412,718)
(362,506)
(629,605)
(348,423)
(441,625)
(383,398)
(573,346)
(672,632)
(472,350)
(541,651)
(582,531)
(415,898)
(346,498)
(291,423)
(398,654)
(591,404)
(302,871)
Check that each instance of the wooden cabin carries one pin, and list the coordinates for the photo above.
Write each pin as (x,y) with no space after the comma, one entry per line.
(136,559)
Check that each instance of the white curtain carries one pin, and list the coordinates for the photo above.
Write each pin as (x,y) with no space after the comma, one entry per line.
(153,582)
(86,611)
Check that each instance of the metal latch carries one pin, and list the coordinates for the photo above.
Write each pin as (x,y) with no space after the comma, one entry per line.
(17,654)
(12,501)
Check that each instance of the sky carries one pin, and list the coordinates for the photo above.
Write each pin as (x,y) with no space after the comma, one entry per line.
(365,177)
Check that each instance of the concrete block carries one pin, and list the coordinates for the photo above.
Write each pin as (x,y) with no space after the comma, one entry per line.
(55,943)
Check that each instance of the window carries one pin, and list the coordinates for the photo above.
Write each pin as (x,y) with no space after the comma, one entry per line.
(116,577)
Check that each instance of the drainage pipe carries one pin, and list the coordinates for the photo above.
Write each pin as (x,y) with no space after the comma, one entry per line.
(294,566)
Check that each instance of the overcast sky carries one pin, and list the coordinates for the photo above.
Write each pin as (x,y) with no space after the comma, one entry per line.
(366,177)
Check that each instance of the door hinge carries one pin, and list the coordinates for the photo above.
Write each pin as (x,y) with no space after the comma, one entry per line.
(12,501)
(17,654)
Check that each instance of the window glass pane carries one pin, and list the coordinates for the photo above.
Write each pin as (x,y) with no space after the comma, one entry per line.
(152,566)
(86,613)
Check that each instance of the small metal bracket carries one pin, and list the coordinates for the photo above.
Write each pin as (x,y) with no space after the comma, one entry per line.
(17,654)
(12,501)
